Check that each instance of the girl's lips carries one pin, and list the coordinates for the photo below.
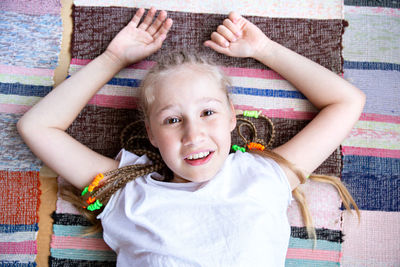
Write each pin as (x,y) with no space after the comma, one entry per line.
(200,161)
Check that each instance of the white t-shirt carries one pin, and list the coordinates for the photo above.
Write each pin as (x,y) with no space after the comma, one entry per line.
(238,218)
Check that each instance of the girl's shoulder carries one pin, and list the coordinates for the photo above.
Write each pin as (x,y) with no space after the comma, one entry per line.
(255,161)
(127,158)
(262,169)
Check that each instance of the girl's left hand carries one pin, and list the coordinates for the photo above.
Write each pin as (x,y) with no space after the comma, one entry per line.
(238,37)
(137,41)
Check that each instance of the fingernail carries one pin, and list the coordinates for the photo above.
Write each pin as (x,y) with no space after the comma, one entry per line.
(239,34)
(226,44)
(234,39)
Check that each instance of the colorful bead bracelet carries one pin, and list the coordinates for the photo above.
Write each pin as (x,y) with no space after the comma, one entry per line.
(93,203)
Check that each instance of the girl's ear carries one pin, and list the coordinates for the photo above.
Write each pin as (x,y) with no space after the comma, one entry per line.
(233,116)
(150,134)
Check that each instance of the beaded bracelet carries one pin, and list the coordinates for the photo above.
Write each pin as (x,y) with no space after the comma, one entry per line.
(236,148)
(254,145)
(93,203)
(251,113)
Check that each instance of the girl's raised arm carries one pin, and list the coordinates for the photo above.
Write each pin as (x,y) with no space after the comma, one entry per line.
(339,102)
(43,126)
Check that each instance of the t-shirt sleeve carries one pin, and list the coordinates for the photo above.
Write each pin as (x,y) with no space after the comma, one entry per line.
(282,178)
(125,158)
(274,172)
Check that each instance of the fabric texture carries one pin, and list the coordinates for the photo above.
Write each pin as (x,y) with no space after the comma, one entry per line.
(237,218)
(29,46)
(371,153)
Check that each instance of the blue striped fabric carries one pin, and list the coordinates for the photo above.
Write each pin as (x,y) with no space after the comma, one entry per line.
(313,263)
(16,264)
(24,89)
(83,254)
(382,88)
(370,65)
(11,228)
(234,89)
(374,3)
(15,155)
(309,244)
(374,182)
(30,41)
(267,92)
(73,230)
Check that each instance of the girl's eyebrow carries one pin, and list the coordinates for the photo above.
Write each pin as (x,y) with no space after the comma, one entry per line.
(204,100)
(209,99)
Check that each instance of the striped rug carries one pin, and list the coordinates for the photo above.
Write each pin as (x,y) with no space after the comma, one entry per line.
(30,38)
(371,154)
(312,28)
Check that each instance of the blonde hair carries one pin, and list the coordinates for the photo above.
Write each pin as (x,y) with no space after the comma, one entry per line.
(172,63)
(134,139)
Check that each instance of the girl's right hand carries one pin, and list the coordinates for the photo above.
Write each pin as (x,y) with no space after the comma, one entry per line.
(137,41)
(238,37)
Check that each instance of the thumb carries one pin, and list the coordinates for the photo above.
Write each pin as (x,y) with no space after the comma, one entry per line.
(234,17)
(237,19)
(157,43)
(214,46)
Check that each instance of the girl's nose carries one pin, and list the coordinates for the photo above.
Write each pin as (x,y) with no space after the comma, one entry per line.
(193,133)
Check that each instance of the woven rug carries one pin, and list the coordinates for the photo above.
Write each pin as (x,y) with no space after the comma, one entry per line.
(371,154)
(316,35)
(30,37)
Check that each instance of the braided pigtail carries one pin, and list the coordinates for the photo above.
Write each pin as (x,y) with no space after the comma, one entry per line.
(93,199)
(256,145)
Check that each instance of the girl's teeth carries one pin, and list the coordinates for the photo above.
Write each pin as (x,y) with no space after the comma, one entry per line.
(199,155)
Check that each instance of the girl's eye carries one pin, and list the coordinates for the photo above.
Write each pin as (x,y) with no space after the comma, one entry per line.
(207,113)
(172,120)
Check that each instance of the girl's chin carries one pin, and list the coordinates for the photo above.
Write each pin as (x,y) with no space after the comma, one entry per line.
(178,179)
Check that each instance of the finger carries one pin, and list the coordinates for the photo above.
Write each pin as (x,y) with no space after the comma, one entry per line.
(157,43)
(164,29)
(237,19)
(219,39)
(232,27)
(226,33)
(148,19)
(157,23)
(234,17)
(216,47)
(137,17)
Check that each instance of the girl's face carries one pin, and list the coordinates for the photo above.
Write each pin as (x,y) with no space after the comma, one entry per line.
(190,121)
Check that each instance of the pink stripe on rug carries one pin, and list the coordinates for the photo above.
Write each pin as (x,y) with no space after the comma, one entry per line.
(64,206)
(14,109)
(281,113)
(309,254)
(24,247)
(374,152)
(144,65)
(324,204)
(123,102)
(238,72)
(379,118)
(374,241)
(26,71)
(252,73)
(69,242)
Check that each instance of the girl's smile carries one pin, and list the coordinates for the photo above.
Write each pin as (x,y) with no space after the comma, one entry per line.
(190,121)
(199,158)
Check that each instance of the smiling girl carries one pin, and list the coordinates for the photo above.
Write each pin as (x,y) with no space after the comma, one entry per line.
(216,209)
